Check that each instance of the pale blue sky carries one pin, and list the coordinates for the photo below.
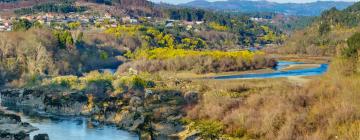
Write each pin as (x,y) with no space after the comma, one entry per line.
(281,1)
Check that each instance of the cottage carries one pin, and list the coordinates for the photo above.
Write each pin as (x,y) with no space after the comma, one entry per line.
(133,21)
(199,22)
(169,25)
(108,16)
(189,27)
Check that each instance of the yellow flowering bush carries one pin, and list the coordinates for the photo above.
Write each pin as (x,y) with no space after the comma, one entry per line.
(71,81)
(167,53)
(217,26)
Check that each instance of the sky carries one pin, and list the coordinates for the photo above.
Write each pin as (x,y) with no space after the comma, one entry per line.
(280,1)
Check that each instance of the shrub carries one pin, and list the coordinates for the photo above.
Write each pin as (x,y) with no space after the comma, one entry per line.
(217,26)
(163,59)
(208,129)
(22,25)
(133,82)
(325,108)
(167,53)
(72,82)
(98,83)
(353,46)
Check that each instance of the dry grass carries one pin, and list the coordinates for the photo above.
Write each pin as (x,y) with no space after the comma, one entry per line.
(325,108)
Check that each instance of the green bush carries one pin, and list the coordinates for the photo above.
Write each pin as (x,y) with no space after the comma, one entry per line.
(72,82)
(22,25)
(208,129)
(353,46)
(98,83)
(133,82)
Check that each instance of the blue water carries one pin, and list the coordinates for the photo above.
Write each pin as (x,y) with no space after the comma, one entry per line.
(279,74)
(72,128)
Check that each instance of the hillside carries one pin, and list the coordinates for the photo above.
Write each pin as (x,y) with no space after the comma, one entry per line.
(116,7)
(305,9)
(327,36)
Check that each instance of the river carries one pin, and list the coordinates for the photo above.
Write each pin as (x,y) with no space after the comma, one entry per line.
(81,128)
(71,128)
(280,73)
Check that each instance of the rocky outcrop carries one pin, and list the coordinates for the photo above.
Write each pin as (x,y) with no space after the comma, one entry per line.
(153,114)
(41,137)
(11,127)
(58,103)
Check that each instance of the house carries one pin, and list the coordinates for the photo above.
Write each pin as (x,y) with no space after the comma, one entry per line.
(41,21)
(199,22)
(114,25)
(6,23)
(133,21)
(9,29)
(188,23)
(125,19)
(108,16)
(113,20)
(129,19)
(189,27)
(169,25)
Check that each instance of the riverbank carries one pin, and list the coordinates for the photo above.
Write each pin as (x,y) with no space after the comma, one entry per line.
(13,128)
(153,106)
(152,115)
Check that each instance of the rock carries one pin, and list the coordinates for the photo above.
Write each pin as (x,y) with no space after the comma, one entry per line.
(145,136)
(11,127)
(135,101)
(136,123)
(130,120)
(166,129)
(9,118)
(18,136)
(41,137)
(191,97)
(148,93)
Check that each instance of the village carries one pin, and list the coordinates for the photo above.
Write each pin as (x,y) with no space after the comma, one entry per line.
(87,20)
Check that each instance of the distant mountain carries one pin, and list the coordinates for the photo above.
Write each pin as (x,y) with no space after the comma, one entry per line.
(116,7)
(301,9)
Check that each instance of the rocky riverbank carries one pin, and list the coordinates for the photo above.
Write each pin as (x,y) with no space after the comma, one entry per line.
(12,128)
(153,114)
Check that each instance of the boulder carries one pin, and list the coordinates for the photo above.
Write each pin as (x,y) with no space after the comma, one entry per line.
(41,137)
(11,127)
(136,101)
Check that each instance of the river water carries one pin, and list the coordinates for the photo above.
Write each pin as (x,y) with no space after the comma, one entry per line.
(71,128)
(279,73)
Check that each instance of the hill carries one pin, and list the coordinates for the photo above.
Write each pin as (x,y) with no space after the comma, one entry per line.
(327,35)
(116,7)
(302,9)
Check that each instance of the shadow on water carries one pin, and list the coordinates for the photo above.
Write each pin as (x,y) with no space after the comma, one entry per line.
(322,69)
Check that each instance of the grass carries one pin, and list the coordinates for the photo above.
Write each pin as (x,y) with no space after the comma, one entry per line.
(324,108)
